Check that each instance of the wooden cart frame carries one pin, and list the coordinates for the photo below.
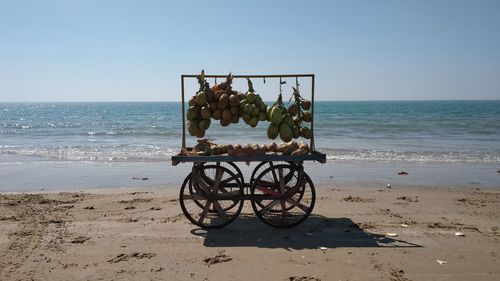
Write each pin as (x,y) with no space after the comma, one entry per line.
(280,191)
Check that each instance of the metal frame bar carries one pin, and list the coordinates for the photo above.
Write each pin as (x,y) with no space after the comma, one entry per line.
(312,76)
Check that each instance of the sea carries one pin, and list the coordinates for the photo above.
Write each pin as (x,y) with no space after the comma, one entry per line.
(116,139)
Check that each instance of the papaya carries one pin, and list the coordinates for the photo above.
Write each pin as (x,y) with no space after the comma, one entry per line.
(205,112)
(287,118)
(272,132)
(286,132)
(276,115)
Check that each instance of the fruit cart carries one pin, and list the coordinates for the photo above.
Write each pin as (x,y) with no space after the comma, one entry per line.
(280,191)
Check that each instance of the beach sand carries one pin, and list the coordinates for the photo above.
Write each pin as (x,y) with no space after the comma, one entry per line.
(141,234)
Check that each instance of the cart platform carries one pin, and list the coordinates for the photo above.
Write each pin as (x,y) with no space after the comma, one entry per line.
(314,156)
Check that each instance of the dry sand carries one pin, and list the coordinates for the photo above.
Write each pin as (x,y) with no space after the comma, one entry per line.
(142,235)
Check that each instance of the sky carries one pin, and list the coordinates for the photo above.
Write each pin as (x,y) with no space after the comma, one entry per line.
(58,51)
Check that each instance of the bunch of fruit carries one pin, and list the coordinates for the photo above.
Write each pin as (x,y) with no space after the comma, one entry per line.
(299,111)
(225,105)
(252,107)
(282,123)
(198,114)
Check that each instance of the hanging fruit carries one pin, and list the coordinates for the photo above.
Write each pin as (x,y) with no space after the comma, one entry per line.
(299,112)
(198,114)
(252,108)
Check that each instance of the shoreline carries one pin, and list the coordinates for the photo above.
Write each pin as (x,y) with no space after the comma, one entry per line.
(54,176)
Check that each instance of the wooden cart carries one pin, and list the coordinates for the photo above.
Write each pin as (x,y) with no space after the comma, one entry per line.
(280,191)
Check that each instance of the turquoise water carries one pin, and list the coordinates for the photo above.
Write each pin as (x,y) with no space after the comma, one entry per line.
(415,131)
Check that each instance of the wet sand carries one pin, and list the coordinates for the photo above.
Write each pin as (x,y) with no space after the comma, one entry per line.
(141,234)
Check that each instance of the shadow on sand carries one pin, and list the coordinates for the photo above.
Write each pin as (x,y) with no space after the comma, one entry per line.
(317,231)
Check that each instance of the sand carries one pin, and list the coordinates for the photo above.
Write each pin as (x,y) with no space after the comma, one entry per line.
(141,234)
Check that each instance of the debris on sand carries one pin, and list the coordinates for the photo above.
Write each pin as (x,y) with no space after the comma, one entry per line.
(80,240)
(136,255)
(389,234)
(441,262)
(303,278)
(402,173)
(458,233)
(219,258)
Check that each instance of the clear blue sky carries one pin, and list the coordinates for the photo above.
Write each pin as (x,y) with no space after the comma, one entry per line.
(360,50)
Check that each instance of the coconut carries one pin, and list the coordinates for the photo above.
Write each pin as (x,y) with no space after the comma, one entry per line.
(306,105)
(273,147)
(262,116)
(205,112)
(296,131)
(253,122)
(192,113)
(226,115)
(235,110)
(235,119)
(293,110)
(287,119)
(201,98)
(204,124)
(193,128)
(223,101)
(255,111)
(217,95)
(217,114)
(248,108)
(234,100)
(191,101)
(225,123)
(251,97)
(307,116)
(241,96)
(246,117)
(305,132)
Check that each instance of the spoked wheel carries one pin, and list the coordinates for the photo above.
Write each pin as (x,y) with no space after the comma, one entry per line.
(208,173)
(205,198)
(233,168)
(284,203)
(287,179)
(262,166)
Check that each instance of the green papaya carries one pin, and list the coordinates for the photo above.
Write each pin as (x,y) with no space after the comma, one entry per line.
(286,132)
(272,132)
(287,118)
(276,115)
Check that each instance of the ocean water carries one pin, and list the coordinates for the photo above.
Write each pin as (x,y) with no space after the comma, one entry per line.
(381,131)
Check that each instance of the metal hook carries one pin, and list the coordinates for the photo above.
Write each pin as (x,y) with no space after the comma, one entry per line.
(264,80)
(215,80)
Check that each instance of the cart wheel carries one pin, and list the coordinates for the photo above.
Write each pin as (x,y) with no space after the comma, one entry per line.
(211,205)
(233,168)
(289,177)
(208,176)
(291,201)
(264,165)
